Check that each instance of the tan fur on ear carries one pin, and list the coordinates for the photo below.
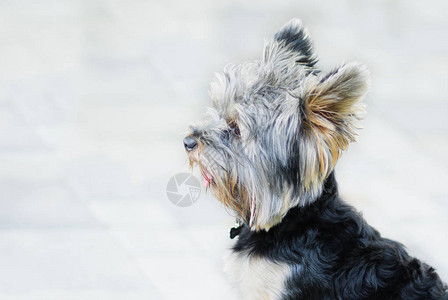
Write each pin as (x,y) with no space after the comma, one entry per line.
(331,109)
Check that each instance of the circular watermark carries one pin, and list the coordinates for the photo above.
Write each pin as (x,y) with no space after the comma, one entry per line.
(183,189)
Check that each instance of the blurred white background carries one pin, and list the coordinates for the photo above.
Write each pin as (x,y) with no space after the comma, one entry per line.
(95,95)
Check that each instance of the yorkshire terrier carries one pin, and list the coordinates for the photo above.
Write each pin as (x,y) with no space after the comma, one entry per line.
(275,131)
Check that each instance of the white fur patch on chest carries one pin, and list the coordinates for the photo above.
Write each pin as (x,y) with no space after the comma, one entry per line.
(257,278)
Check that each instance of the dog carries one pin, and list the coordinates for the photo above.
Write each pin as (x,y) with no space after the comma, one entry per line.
(267,150)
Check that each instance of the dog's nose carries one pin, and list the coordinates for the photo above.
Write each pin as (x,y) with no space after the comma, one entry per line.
(190,143)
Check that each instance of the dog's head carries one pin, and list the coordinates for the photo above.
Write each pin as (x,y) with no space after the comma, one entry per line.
(276,128)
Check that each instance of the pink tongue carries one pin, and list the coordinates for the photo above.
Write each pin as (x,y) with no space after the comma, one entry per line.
(205,182)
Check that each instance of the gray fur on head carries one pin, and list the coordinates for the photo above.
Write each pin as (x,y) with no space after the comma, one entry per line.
(276,128)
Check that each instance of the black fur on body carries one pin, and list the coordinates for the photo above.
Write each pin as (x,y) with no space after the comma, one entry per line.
(334,254)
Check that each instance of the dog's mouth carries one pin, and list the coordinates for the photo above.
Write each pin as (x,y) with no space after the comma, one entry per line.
(207,178)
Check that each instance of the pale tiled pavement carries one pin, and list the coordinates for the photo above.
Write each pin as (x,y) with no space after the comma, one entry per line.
(95,95)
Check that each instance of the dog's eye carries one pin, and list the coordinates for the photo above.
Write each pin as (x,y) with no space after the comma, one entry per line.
(234,126)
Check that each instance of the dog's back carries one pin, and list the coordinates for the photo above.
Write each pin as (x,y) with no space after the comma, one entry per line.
(327,251)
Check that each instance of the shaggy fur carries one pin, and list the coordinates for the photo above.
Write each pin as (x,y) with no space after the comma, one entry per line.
(268,149)
(333,253)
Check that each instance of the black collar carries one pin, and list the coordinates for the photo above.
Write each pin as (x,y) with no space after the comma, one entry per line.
(235,231)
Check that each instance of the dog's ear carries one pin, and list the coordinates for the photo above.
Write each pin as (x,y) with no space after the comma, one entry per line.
(330,110)
(291,42)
